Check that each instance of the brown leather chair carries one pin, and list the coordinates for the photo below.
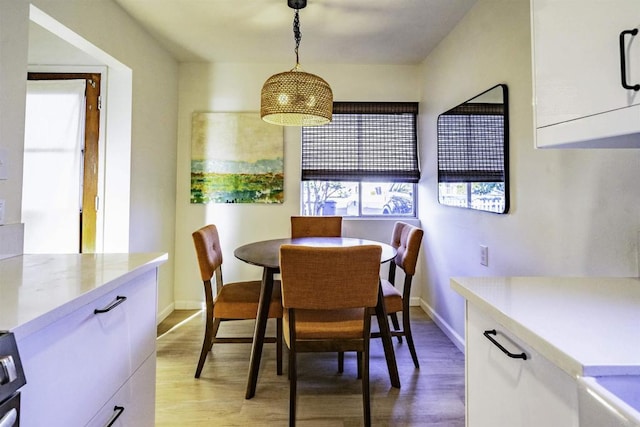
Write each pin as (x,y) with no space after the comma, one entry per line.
(316,226)
(232,301)
(321,314)
(406,239)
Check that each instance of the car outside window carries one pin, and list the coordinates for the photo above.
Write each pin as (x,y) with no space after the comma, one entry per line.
(358,199)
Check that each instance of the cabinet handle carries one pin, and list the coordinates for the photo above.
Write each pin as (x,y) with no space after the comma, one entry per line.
(623,60)
(488,334)
(117,411)
(119,300)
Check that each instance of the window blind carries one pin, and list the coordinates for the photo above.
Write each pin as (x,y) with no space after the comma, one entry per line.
(366,141)
(471,143)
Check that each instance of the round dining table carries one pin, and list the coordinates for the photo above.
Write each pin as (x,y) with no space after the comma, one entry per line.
(266,254)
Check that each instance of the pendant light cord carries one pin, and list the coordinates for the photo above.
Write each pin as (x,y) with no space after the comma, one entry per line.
(297,35)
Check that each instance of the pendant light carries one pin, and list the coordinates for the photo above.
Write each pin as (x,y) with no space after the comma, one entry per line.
(296,98)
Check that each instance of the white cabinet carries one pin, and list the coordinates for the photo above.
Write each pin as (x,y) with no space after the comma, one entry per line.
(507,391)
(86,360)
(579,98)
(134,403)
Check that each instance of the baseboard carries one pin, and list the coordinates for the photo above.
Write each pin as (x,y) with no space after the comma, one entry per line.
(179,305)
(456,339)
(189,305)
(165,313)
(414,302)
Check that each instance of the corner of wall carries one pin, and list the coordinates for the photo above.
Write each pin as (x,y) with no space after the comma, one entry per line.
(11,240)
(456,339)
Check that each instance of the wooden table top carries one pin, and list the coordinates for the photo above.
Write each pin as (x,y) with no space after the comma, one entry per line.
(266,253)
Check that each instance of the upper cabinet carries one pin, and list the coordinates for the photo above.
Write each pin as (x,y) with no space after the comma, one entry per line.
(586,73)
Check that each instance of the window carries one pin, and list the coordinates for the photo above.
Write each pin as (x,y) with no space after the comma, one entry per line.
(364,163)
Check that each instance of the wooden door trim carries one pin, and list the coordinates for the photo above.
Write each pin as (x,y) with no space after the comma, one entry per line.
(88,214)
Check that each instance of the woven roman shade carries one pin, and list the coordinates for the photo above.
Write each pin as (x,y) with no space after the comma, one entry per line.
(366,141)
(471,143)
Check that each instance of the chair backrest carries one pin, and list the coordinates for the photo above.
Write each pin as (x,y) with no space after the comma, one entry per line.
(319,278)
(208,250)
(316,226)
(406,238)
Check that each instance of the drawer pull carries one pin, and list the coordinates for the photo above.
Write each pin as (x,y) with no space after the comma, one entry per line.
(623,61)
(119,300)
(8,372)
(488,334)
(117,411)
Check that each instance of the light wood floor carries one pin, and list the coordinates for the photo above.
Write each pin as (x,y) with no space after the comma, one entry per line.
(430,396)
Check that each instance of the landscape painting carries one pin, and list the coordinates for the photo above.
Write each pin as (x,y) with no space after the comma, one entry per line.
(236,158)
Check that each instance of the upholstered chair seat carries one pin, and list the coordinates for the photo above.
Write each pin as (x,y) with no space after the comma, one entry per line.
(314,325)
(392,297)
(240,301)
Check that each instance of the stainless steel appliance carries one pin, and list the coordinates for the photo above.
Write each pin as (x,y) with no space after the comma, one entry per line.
(11,380)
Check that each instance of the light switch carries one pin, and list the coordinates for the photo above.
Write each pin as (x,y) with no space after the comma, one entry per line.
(1,212)
(3,164)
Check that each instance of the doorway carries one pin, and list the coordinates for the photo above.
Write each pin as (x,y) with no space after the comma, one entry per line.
(61,162)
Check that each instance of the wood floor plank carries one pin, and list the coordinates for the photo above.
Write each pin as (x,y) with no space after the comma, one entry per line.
(430,396)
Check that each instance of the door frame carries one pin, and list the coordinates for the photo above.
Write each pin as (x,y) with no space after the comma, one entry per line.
(91,216)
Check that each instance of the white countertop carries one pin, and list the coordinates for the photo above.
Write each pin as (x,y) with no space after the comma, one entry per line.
(36,290)
(586,325)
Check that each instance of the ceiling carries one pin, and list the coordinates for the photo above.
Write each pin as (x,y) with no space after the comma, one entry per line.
(333,31)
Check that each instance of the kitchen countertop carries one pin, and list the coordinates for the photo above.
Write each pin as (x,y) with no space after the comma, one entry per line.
(36,290)
(587,326)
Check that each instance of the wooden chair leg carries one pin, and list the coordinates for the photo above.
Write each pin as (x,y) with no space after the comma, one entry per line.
(406,324)
(211,330)
(279,346)
(396,324)
(363,358)
(366,392)
(293,379)
(359,365)
(341,361)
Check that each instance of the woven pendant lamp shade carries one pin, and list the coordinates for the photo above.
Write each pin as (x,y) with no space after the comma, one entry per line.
(296,98)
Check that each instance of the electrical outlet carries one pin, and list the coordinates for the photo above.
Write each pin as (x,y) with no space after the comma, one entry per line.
(484,255)
(1,212)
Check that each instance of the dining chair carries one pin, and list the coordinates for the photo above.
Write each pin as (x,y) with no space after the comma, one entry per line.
(406,239)
(316,226)
(323,315)
(232,301)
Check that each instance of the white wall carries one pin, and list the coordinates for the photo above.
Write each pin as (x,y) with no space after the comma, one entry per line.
(153,111)
(14,30)
(573,212)
(236,87)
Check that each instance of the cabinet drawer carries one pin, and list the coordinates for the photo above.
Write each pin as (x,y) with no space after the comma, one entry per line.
(504,390)
(134,403)
(76,364)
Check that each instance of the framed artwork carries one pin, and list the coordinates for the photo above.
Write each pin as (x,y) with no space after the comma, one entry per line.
(236,158)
